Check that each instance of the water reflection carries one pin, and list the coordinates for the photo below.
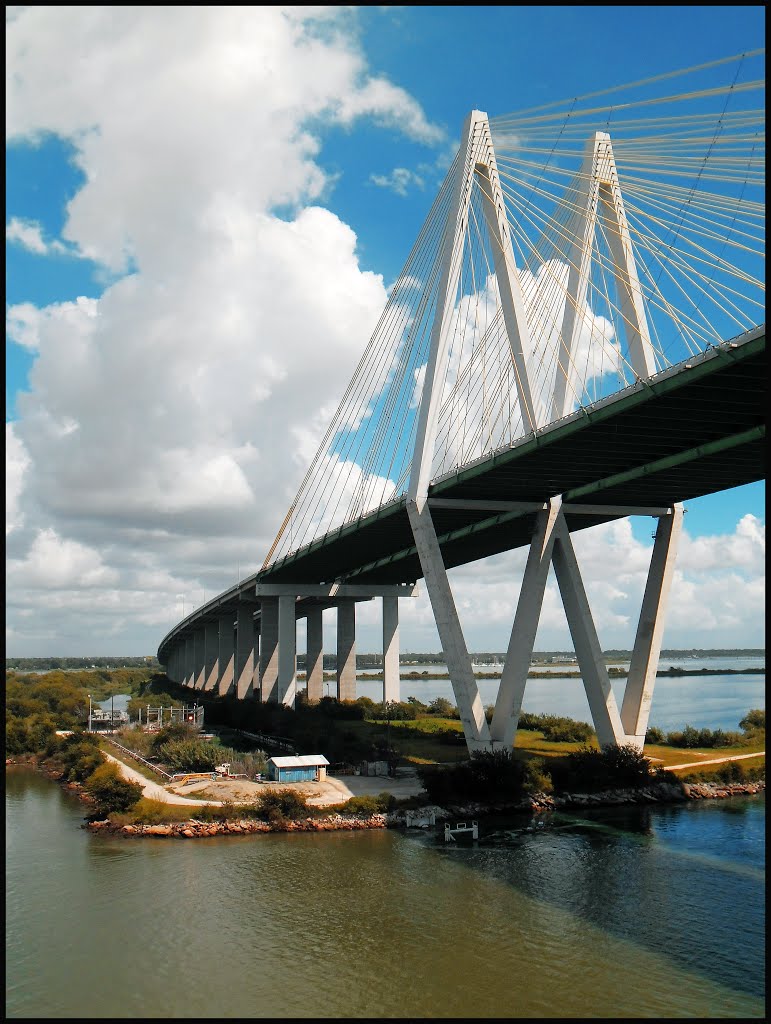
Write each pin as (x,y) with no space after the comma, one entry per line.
(646,874)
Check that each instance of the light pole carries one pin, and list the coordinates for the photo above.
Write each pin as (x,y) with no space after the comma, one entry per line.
(89,712)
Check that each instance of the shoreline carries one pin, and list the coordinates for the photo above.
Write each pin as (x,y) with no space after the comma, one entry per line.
(425,817)
(432,816)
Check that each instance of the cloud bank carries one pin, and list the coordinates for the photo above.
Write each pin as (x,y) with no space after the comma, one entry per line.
(171,417)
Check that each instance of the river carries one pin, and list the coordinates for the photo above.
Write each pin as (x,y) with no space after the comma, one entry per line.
(617,913)
(706,702)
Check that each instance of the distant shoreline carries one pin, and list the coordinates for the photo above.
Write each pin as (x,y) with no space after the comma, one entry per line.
(614,672)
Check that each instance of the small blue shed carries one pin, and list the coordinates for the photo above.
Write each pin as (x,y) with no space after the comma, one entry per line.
(299,768)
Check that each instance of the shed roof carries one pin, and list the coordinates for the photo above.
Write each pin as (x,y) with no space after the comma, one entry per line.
(301,761)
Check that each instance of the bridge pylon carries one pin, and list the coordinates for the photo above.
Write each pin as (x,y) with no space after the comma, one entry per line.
(596,194)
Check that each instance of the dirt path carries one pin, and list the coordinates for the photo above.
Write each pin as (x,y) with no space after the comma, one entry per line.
(716,760)
(154,790)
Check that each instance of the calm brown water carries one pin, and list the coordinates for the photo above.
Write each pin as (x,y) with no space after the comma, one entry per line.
(626,913)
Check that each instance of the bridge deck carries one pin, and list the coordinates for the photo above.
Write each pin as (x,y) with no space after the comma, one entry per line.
(690,431)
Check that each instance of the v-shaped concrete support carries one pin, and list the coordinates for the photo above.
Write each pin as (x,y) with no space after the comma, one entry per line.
(552,545)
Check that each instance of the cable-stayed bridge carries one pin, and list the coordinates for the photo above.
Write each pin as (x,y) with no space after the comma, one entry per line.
(575,337)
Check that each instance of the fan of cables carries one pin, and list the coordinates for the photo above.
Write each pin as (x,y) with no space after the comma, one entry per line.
(685,216)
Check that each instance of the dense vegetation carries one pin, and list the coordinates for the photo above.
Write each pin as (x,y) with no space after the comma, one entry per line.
(346,732)
(72,664)
(752,725)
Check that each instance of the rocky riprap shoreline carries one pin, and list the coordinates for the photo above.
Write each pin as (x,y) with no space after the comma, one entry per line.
(660,792)
(426,817)
(193,829)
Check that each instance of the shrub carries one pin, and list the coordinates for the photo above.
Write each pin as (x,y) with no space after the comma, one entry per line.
(486,776)
(281,805)
(176,732)
(147,811)
(29,735)
(555,728)
(193,755)
(366,806)
(78,756)
(590,771)
(537,777)
(691,737)
(730,771)
(110,791)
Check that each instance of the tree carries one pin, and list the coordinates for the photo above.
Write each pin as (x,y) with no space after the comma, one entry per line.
(754,721)
(443,707)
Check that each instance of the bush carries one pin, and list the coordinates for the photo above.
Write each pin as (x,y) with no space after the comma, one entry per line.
(29,735)
(486,776)
(281,805)
(78,756)
(730,771)
(691,737)
(147,811)
(110,791)
(366,806)
(555,728)
(537,776)
(591,771)
(190,755)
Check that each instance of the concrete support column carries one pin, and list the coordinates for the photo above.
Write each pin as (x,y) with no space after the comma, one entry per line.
(591,661)
(256,677)
(287,650)
(211,654)
(189,679)
(638,694)
(226,661)
(199,657)
(171,664)
(269,648)
(391,681)
(508,704)
(314,658)
(173,667)
(244,661)
(464,684)
(346,650)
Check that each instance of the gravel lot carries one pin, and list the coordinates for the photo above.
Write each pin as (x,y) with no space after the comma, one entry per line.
(333,790)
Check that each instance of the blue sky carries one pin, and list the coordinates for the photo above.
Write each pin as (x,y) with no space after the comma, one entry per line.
(210,219)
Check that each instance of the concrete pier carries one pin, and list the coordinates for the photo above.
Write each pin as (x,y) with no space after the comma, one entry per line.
(244,660)
(226,658)
(346,650)
(314,658)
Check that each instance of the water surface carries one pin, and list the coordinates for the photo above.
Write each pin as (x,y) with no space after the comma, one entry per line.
(632,912)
